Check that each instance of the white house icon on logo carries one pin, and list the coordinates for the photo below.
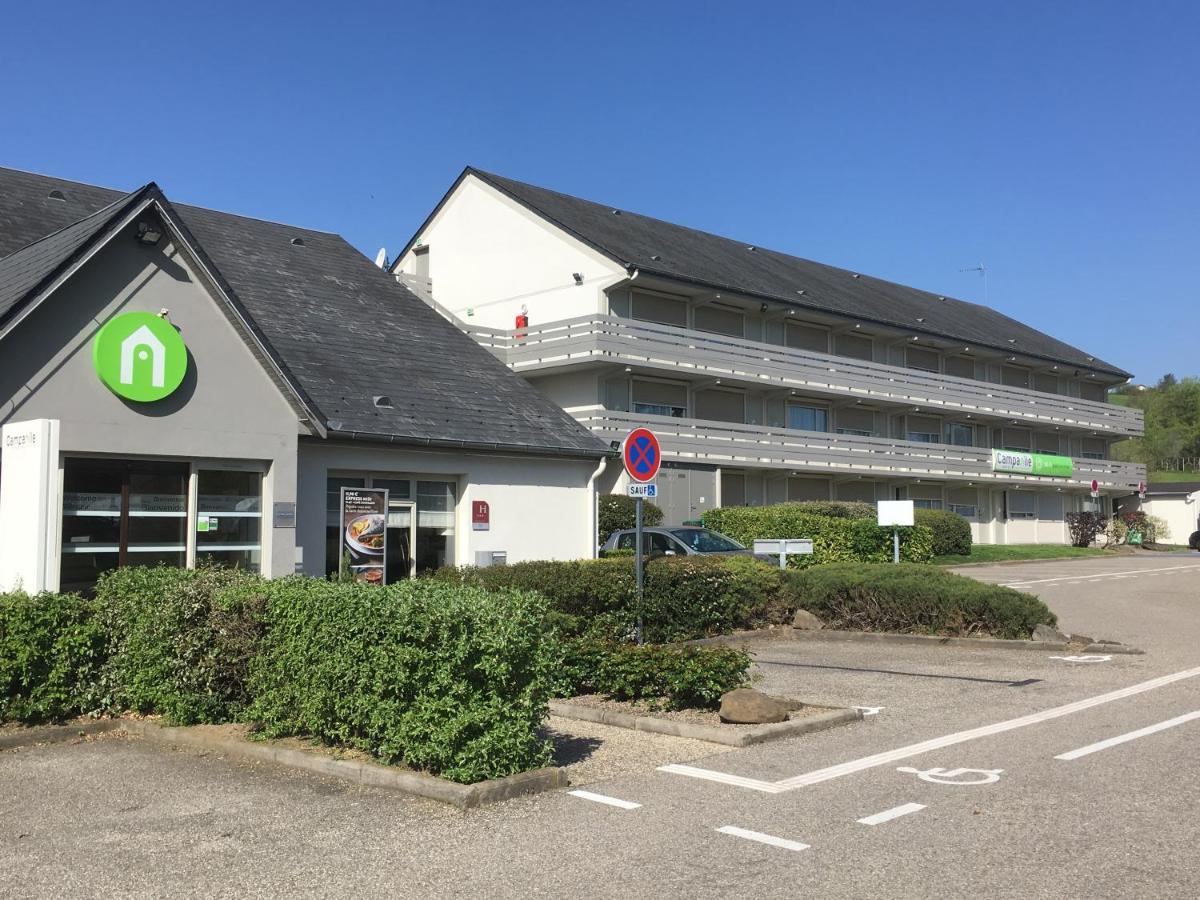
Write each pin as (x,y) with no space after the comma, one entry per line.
(153,347)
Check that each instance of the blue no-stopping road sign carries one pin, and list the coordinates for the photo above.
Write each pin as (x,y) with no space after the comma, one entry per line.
(642,455)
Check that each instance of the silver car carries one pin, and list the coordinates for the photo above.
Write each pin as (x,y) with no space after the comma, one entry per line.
(679,540)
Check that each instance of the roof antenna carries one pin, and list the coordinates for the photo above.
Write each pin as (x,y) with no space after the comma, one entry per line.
(982,270)
(381,258)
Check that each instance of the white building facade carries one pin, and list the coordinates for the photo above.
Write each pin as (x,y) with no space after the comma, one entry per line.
(770,378)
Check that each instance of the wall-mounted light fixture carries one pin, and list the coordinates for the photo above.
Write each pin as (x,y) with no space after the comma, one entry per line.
(148,234)
(578,276)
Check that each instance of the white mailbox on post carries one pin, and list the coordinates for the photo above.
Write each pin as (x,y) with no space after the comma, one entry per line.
(783,548)
(895,514)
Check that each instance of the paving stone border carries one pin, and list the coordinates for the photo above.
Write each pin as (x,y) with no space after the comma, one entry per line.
(462,796)
(920,640)
(739,737)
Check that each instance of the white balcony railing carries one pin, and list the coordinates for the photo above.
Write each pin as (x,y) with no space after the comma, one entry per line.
(770,366)
(756,446)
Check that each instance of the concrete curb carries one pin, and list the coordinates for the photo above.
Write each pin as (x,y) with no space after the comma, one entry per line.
(56,734)
(918,640)
(1026,562)
(462,796)
(710,733)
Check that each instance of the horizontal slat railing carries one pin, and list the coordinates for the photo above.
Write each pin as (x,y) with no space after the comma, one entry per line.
(756,446)
(680,350)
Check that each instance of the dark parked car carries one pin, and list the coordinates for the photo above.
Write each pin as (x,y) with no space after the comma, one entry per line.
(679,540)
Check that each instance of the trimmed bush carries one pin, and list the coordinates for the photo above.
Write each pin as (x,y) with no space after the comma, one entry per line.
(447,678)
(51,649)
(839,509)
(675,677)
(951,532)
(618,512)
(684,597)
(180,640)
(834,539)
(915,599)
(1084,526)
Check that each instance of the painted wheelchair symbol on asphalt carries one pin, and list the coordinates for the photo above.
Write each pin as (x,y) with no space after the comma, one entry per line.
(952,776)
(1086,657)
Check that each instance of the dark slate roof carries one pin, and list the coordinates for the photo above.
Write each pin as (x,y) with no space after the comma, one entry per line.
(342,330)
(660,248)
(22,272)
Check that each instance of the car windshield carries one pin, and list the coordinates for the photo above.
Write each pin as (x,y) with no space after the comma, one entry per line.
(702,540)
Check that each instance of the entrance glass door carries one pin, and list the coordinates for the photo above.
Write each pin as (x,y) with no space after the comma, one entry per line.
(121,513)
(401,522)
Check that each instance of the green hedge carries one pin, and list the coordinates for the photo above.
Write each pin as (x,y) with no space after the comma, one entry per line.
(915,599)
(51,649)
(684,597)
(675,677)
(180,640)
(617,512)
(446,678)
(951,532)
(834,539)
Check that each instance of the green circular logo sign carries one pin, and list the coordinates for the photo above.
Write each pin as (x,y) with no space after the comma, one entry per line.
(140,356)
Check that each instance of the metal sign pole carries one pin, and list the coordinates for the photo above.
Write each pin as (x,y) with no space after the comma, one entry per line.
(895,545)
(639,553)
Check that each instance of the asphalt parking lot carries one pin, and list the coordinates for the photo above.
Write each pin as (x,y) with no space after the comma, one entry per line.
(991,772)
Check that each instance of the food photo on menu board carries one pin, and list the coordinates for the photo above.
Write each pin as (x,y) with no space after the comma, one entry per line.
(364,533)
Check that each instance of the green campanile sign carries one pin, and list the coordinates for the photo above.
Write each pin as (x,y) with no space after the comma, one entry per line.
(1046,464)
(140,357)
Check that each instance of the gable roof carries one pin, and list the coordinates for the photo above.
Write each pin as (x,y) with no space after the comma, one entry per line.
(655,247)
(341,330)
(23,272)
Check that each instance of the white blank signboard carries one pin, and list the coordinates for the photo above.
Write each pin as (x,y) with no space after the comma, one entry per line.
(893,513)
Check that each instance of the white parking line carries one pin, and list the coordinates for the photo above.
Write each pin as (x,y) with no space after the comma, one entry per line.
(1131,736)
(882,759)
(762,838)
(888,814)
(1123,574)
(609,801)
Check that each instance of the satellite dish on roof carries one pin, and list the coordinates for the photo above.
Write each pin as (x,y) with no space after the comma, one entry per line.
(381,258)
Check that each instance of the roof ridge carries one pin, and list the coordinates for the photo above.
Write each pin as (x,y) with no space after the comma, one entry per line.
(124,198)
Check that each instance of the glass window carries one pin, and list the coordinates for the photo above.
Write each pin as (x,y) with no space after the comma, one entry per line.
(1020,504)
(436,502)
(333,511)
(625,541)
(807,418)
(1017,439)
(1092,449)
(926,503)
(920,358)
(854,345)
(121,513)
(229,518)
(663,310)
(922,437)
(1045,382)
(733,489)
(659,398)
(1014,376)
(960,435)
(806,337)
(960,366)
(966,510)
(701,540)
(721,406)
(720,321)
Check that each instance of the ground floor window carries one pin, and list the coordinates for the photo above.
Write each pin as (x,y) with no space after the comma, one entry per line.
(924,503)
(420,523)
(1020,505)
(121,513)
(229,518)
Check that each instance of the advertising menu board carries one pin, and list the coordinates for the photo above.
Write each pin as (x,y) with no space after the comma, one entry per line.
(364,533)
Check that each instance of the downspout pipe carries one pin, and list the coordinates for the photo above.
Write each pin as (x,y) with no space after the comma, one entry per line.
(595,503)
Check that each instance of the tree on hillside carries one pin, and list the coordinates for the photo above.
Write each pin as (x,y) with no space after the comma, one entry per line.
(1172,409)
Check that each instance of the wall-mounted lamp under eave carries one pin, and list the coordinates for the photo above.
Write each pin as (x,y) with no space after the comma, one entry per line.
(148,234)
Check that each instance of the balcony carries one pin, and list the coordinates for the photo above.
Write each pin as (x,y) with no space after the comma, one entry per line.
(603,338)
(754,446)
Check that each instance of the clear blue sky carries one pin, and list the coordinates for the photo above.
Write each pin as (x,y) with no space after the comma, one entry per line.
(1057,142)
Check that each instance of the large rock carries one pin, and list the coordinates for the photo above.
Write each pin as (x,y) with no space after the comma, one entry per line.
(1049,634)
(749,707)
(806,621)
